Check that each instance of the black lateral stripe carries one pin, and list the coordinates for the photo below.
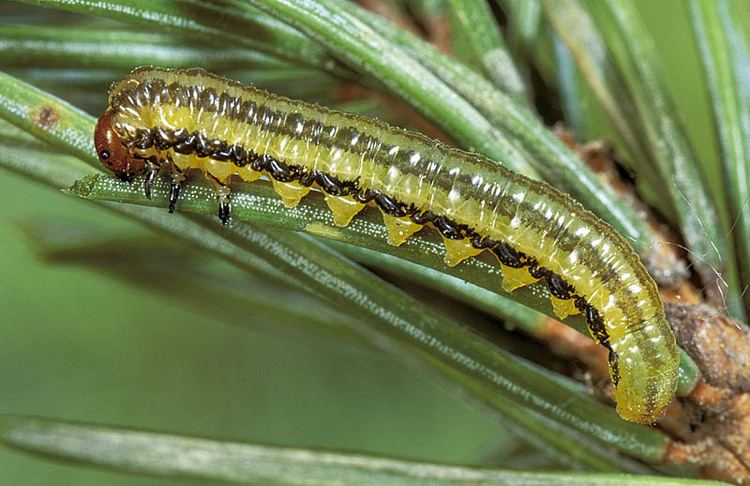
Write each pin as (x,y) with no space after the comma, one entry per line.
(187,143)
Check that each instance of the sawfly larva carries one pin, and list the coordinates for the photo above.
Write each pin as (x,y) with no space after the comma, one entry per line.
(191,120)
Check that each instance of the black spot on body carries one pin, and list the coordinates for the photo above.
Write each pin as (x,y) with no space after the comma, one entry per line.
(598,329)
(559,287)
(240,156)
(163,139)
(257,162)
(224,154)
(614,366)
(596,325)
(390,205)
(143,139)
(448,228)
(365,196)
(329,184)
(186,146)
(581,304)
(535,270)
(308,178)
(279,170)
(482,242)
(508,256)
(209,100)
(202,145)
(423,217)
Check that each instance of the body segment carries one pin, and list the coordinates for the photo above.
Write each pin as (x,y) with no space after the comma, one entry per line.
(192,120)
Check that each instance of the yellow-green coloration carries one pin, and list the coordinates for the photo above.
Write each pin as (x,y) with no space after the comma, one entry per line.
(476,204)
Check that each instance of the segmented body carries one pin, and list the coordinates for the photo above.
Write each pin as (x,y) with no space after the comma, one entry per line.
(192,120)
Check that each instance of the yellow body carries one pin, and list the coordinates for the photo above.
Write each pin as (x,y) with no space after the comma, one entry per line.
(533,218)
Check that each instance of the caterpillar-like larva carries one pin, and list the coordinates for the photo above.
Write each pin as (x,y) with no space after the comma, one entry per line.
(178,121)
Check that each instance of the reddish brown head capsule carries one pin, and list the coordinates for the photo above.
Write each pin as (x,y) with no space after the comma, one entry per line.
(112,153)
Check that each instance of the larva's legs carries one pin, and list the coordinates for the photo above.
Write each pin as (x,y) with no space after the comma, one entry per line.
(222,198)
(175,186)
(174,194)
(224,209)
(151,171)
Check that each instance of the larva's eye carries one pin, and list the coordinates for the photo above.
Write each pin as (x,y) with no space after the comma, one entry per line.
(111,151)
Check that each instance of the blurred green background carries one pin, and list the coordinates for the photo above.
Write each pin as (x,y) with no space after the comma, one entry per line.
(80,345)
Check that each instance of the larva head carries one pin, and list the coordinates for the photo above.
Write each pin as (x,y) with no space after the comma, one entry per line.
(111,151)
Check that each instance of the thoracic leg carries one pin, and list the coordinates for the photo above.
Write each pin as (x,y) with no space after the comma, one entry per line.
(151,171)
(222,198)
(176,184)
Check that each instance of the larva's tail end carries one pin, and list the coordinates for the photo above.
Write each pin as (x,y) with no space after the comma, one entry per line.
(645,415)
(645,400)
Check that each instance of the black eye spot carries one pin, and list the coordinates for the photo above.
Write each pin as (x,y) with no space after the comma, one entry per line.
(104,154)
